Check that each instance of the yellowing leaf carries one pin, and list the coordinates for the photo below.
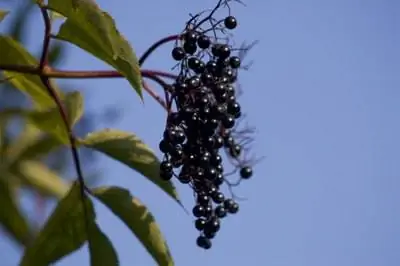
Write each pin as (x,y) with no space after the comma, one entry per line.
(139,220)
(94,31)
(131,151)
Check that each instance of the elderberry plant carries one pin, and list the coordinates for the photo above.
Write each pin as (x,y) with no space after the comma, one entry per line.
(202,122)
(204,144)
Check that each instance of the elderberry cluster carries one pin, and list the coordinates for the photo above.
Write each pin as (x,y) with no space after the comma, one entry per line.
(202,126)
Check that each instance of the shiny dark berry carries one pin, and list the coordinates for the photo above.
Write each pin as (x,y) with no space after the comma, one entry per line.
(227,72)
(220,211)
(200,68)
(216,159)
(211,67)
(203,242)
(164,175)
(219,180)
(233,108)
(199,211)
(194,82)
(180,137)
(229,141)
(207,78)
(211,173)
(209,210)
(213,225)
(234,62)
(230,22)
(221,51)
(178,53)
(166,166)
(200,174)
(235,150)
(204,160)
(164,146)
(228,121)
(231,206)
(200,223)
(218,197)
(203,42)
(203,199)
(218,142)
(246,172)
(193,63)
(209,142)
(230,90)
(209,234)
(220,168)
(191,36)
(190,48)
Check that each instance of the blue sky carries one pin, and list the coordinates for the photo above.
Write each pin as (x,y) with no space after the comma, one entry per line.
(324,94)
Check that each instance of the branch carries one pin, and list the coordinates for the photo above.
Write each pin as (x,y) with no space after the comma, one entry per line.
(63,112)
(78,74)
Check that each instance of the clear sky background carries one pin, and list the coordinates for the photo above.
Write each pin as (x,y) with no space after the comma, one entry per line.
(324,94)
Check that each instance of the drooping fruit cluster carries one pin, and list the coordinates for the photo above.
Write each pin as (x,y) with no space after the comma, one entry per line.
(201,125)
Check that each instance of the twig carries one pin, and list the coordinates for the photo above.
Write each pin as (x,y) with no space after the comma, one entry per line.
(156,45)
(46,39)
(153,94)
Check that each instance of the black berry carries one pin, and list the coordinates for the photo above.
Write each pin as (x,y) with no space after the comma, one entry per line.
(246,172)
(203,242)
(230,22)
(178,53)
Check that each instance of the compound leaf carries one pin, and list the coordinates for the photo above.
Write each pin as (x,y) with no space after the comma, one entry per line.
(139,220)
(13,53)
(131,151)
(63,233)
(94,31)
(102,251)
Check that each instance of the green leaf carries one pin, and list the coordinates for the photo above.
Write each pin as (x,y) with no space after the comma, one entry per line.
(3,14)
(94,31)
(131,151)
(64,232)
(37,175)
(39,148)
(13,53)
(56,53)
(11,218)
(102,251)
(50,120)
(139,220)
